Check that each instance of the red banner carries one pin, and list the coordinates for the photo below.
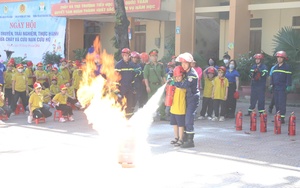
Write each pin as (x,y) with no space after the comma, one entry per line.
(103,7)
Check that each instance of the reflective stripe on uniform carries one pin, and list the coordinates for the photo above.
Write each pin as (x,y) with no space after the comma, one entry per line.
(283,71)
(125,69)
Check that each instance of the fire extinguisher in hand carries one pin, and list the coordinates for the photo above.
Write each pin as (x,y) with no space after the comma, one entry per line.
(170,90)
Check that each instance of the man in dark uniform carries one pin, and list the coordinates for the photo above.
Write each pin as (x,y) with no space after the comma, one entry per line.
(138,81)
(258,75)
(128,72)
(281,82)
(192,97)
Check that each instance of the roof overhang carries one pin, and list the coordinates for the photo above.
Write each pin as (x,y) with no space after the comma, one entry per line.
(252,7)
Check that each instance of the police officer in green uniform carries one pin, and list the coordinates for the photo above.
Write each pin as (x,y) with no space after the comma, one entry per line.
(154,76)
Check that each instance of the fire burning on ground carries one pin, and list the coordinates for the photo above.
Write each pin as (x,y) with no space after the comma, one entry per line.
(120,139)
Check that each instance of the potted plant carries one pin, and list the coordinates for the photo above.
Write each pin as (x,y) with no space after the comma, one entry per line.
(80,53)
(244,63)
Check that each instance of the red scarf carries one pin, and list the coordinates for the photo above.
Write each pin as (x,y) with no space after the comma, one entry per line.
(222,81)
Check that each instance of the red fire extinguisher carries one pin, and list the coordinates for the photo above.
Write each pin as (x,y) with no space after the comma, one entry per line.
(292,124)
(263,122)
(277,123)
(170,90)
(253,121)
(239,121)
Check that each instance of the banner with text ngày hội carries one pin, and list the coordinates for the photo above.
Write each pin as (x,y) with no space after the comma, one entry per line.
(29,30)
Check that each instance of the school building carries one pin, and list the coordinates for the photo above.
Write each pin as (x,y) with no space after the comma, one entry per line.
(207,27)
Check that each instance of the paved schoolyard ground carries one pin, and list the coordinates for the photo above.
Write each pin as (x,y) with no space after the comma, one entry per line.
(72,154)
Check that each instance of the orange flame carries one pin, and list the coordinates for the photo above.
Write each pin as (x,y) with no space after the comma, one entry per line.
(101,88)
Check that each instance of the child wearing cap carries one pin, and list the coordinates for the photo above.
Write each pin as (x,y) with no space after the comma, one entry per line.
(19,88)
(77,76)
(49,72)
(36,107)
(4,109)
(54,88)
(178,108)
(65,71)
(207,102)
(219,94)
(29,73)
(41,75)
(60,101)
(8,83)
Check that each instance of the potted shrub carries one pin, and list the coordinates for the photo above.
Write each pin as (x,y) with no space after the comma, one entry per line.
(244,63)
(80,54)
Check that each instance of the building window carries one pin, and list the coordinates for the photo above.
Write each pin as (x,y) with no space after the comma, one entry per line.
(255,35)
(256,23)
(296,21)
(140,28)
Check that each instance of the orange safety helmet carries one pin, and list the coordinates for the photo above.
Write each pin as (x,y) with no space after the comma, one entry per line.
(144,57)
(135,54)
(281,54)
(126,50)
(222,68)
(258,56)
(178,71)
(211,70)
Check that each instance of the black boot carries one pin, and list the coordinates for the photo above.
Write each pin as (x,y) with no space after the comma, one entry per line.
(282,120)
(190,141)
(184,138)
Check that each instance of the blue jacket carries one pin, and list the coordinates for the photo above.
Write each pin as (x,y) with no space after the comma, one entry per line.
(281,76)
(126,70)
(2,70)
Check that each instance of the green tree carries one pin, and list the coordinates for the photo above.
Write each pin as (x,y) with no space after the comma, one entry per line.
(121,27)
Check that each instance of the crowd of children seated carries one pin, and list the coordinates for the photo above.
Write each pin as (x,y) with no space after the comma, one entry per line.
(37,88)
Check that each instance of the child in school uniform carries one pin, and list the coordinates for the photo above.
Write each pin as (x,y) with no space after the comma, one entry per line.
(41,75)
(178,108)
(19,88)
(65,70)
(35,104)
(219,94)
(207,102)
(4,109)
(60,102)
(8,83)
(29,73)
(76,76)
(50,74)
(71,95)
(54,88)
(59,77)
(46,94)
